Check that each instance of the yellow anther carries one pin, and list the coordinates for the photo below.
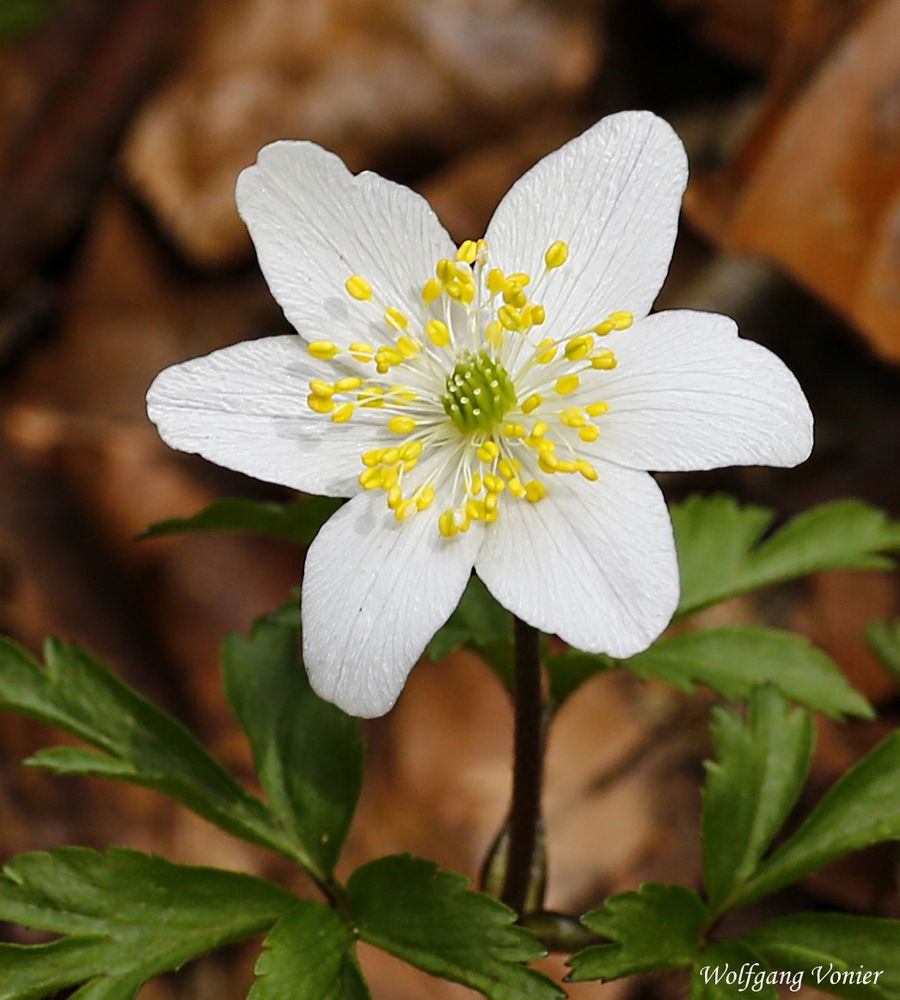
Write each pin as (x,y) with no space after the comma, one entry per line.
(372,458)
(401,395)
(494,335)
(320,388)
(410,464)
(535,491)
(539,430)
(395,497)
(324,350)
(579,348)
(358,287)
(602,329)
(496,282)
(488,451)
(373,397)
(573,417)
(621,320)
(543,446)
(510,318)
(431,291)
(437,332)
(446,270)
(343,413)
(546,352)
(409,347)
(388,356)
(467,251)
(536,315)
(361,352)
(490,503)
(589,433)
(565,466)
(412,449)
(494,484)
(461,291)
(557,254)
(514,296)
(347,384)
(425,497)
(406,510)
(475,485)
(370,479)
(597,409)
(319,404)
(514,430)
(475,510)
(395,319)
(532,403)
(402,425)
(481,249)
(516,487)
(587,470)
(520,278)
(389,477)
(390,456)
(567,384)
(447,524)
(548,462)
(604,362)
(505,468)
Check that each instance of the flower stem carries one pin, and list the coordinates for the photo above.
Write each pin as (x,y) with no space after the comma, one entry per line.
(523,866)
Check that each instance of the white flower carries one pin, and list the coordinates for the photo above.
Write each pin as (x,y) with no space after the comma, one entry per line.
(494,405)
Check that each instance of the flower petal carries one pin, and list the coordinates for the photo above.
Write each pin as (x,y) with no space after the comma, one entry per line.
(374,592)
(315,224)
(592,562)
(613,194)
(689,393)
(244,407)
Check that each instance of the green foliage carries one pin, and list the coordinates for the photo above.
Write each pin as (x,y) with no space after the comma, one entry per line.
(296,522)
(719,557)
(308,754)
(126,917)
(751,788)
(137,742)
(429,918)
(18,17)
(655,929)
(884,638)
(309,955)
(828,946)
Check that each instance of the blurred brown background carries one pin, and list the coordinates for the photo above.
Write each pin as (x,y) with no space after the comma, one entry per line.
(124,125)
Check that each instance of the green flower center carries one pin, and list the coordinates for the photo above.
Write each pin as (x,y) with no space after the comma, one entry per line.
(479,393)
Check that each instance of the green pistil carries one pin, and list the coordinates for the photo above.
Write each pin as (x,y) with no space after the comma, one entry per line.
(479,393)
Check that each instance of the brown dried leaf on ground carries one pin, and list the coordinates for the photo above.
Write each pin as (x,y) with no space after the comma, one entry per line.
(372,81)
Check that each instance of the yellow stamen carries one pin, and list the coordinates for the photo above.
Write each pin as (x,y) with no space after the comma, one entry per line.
(370,479)
(320,388)
(409,347)
(587,470)
(319,404)
(361,352)
(495,281)
(402,425)
(604,362)
(578,348)
(447,524)
(532,403)
(467,251)
(488,451)
(621,320)
(406,510)
(372,458)
(535,491)
(358,287)
(589,433)
(324,350)
(597,409)
(395,319)
(347,384)
(437,332)
(343,413)
(567,384)
(557,254)
(546,352)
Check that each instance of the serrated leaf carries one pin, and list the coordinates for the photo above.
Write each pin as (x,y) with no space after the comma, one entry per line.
(862,808)
(432,920)
(715,538)
(751,787)
(836,952)
(729,970)
(309,955)
(138,742)
(656,929)
(308,753)
(127,917)
(734,661)
(884,638)
(296,522)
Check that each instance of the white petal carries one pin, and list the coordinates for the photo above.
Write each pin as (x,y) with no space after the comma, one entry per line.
(244,407)
(315,224)
(592,562)
(374,592)
(688,393)
(613,194)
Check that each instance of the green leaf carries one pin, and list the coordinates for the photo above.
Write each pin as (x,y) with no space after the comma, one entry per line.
(884,638)
(308,753)
(862,808)
(138,742)
(716,538)
(430,919)
(760,770)
(835,952)
(296,522)
(309,955)
(733,661)
(127,917)
(729,970)
(655,929)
